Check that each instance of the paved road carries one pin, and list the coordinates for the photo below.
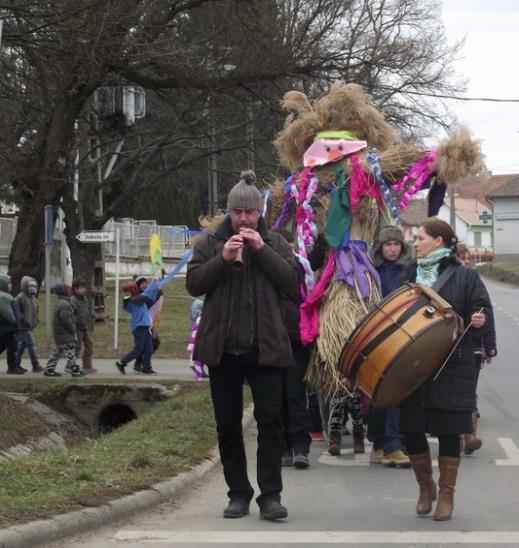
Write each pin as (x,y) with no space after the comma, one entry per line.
(347,501)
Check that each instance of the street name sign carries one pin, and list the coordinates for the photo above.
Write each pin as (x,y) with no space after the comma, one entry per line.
(95,237)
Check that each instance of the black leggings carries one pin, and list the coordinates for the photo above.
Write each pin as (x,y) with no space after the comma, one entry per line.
(416,443)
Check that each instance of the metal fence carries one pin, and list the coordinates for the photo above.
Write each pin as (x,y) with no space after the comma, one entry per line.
(7,232)
(135,237)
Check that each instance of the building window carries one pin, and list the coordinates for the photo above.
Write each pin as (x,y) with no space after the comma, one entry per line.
(477,239)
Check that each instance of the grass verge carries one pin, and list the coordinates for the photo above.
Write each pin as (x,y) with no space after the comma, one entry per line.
(174,436)
(504,272)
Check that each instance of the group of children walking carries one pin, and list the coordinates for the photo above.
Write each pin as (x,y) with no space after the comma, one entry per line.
(71,324)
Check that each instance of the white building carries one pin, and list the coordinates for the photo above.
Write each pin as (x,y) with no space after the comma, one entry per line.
(473,223)
(505,201)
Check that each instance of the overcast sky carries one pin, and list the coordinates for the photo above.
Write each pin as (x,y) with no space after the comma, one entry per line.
(489,62)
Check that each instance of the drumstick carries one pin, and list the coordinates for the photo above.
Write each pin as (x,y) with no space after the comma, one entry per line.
(455,346)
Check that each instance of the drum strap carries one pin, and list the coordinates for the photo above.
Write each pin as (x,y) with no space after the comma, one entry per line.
(444,277)
(409,313)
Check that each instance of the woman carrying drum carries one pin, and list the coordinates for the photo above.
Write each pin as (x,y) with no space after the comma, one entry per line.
(443,406)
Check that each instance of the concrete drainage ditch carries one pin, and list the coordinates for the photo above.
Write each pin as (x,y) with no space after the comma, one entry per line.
(99,408)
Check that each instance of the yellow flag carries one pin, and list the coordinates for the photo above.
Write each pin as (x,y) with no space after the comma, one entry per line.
(156,255)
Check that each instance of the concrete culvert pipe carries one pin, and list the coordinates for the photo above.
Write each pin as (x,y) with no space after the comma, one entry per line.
(114,415)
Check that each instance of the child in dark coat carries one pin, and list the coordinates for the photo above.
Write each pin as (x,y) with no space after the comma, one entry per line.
(65,336)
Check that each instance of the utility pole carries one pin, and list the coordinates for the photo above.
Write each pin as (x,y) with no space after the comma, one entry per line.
(452,208)
(212,164)
(250,137)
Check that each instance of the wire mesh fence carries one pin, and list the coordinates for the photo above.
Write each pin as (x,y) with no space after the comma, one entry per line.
(134,237)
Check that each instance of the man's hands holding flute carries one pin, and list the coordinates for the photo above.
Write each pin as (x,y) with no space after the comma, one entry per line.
(234,245)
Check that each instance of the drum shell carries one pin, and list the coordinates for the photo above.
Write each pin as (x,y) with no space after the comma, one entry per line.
(398,346)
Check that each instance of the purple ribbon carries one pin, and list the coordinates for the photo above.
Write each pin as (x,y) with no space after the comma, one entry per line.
(353,264)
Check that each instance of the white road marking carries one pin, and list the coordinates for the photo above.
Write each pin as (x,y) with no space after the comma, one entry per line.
(511,450)
(319,537)
(359,459)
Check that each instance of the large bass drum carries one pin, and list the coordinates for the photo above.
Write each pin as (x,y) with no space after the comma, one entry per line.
(402,342)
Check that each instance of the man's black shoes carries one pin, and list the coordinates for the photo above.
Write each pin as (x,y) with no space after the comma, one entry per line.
(273,510)
(301,460)
(237,508)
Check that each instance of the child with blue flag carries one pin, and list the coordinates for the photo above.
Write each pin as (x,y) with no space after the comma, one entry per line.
(136,305)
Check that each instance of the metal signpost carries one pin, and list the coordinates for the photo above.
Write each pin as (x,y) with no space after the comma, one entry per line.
(101,237)
(48,216)
(116,298)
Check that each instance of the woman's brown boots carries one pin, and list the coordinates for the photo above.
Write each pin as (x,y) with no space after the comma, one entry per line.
(422,467)
(448,474)
(472,442)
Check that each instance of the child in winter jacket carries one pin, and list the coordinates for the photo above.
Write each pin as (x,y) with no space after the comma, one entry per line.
(29,310)
(85,343)
(135,304)
(9,325)
(65,337)
(154,300)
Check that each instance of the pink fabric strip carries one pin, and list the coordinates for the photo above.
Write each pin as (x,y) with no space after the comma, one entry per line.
(309,310)
(416,170)
(362,184)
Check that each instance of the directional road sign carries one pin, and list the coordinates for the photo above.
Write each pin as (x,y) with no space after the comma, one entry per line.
(95,237)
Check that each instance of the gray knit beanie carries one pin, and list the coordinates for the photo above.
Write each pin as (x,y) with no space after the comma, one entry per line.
(244,194)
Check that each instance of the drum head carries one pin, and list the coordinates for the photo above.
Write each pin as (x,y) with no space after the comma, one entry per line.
(416,363)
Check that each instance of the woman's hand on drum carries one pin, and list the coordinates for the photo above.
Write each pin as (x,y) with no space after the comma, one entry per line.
(478,319)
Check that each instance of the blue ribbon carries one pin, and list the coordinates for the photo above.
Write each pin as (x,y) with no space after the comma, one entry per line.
(177,269)
(374,165)
(188,232)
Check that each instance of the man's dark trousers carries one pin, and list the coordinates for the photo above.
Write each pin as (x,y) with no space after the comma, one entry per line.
(295,415)
(226,381)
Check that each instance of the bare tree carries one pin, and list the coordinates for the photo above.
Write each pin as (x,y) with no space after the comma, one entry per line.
(202,62)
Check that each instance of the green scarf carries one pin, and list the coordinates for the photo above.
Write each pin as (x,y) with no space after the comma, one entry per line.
(427,271)
(339,214)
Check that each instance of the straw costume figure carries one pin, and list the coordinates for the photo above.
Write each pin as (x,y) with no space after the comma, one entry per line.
(352,174)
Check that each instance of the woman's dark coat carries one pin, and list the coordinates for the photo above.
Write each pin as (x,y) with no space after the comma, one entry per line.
(455,387)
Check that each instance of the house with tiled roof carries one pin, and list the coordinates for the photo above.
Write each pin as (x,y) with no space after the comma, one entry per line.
(413,217)
(471,201)
(473,223)
(479,188)
(505,204)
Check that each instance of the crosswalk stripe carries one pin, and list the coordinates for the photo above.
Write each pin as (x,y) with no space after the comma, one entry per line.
(319,537)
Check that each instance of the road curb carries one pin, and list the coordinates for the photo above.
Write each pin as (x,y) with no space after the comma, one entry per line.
(39,532)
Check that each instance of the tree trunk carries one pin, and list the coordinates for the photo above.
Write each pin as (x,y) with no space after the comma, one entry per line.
(27,256)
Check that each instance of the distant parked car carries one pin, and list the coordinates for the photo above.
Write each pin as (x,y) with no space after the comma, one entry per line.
(481,254)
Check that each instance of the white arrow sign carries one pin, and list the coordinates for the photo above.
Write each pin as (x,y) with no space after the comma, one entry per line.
(95,237)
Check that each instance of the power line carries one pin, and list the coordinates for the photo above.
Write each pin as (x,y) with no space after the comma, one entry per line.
(454,97)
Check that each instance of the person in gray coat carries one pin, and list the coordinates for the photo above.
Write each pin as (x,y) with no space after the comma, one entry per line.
(29,310)
(9,325)
(65,335)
